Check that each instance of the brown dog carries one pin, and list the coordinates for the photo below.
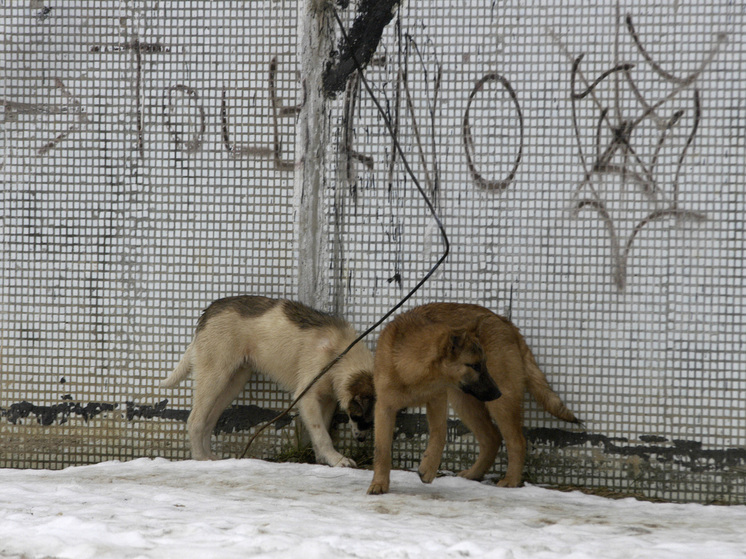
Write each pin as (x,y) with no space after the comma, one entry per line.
(417,360)
(513,367)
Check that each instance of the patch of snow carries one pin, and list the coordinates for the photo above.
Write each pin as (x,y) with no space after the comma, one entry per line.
(250,508)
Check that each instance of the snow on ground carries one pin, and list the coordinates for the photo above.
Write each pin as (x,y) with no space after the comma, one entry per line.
(249,508)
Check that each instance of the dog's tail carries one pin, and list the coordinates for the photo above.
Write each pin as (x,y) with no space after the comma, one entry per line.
(539,388)
(182,370)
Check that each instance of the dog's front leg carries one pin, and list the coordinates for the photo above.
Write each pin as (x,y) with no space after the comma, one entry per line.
(384,423)
(437,422)
(312,414)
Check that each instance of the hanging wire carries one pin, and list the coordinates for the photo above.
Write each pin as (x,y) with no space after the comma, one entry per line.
(427,276)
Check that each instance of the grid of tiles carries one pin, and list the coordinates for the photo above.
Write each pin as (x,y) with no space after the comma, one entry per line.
(597,200)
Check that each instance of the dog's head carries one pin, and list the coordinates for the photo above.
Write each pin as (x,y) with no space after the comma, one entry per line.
(466,364)
(361,404)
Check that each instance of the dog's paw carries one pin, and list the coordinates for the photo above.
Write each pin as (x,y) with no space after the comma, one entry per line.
(345,462)
(206,457)
(338,461)
(470,474)
(508,483)
(427,477)
(377,489)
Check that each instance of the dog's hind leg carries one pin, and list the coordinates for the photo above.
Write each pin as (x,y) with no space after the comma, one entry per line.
(316,418)
(211,397)
(437,423)
(508,416)
(477,419)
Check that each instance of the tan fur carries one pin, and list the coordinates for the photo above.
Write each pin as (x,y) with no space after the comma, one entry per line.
(288,343)
(417,361)
(513,367)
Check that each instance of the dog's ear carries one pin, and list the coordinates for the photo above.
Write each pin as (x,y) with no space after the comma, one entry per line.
(457,342)
(361,411)
(356,406)
(479,324)
(362,403)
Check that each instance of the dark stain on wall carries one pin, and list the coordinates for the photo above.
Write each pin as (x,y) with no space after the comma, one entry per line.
(241,418)
(136,411)
(689,455)
(47,415)
(415,424)
(233,419)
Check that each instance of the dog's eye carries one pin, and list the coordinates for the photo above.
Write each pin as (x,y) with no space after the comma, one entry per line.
(475,366)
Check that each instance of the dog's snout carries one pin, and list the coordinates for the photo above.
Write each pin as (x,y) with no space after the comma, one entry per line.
(360,428)
(483,388)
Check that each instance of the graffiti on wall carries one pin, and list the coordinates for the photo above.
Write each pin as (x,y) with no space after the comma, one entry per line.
(622,152)
(410,82)
(73,107)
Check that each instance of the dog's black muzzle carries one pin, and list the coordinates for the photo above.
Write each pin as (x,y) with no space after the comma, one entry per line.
(362,427)
(484,388)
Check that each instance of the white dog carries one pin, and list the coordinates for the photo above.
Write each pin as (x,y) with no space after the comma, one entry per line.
(289,343)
